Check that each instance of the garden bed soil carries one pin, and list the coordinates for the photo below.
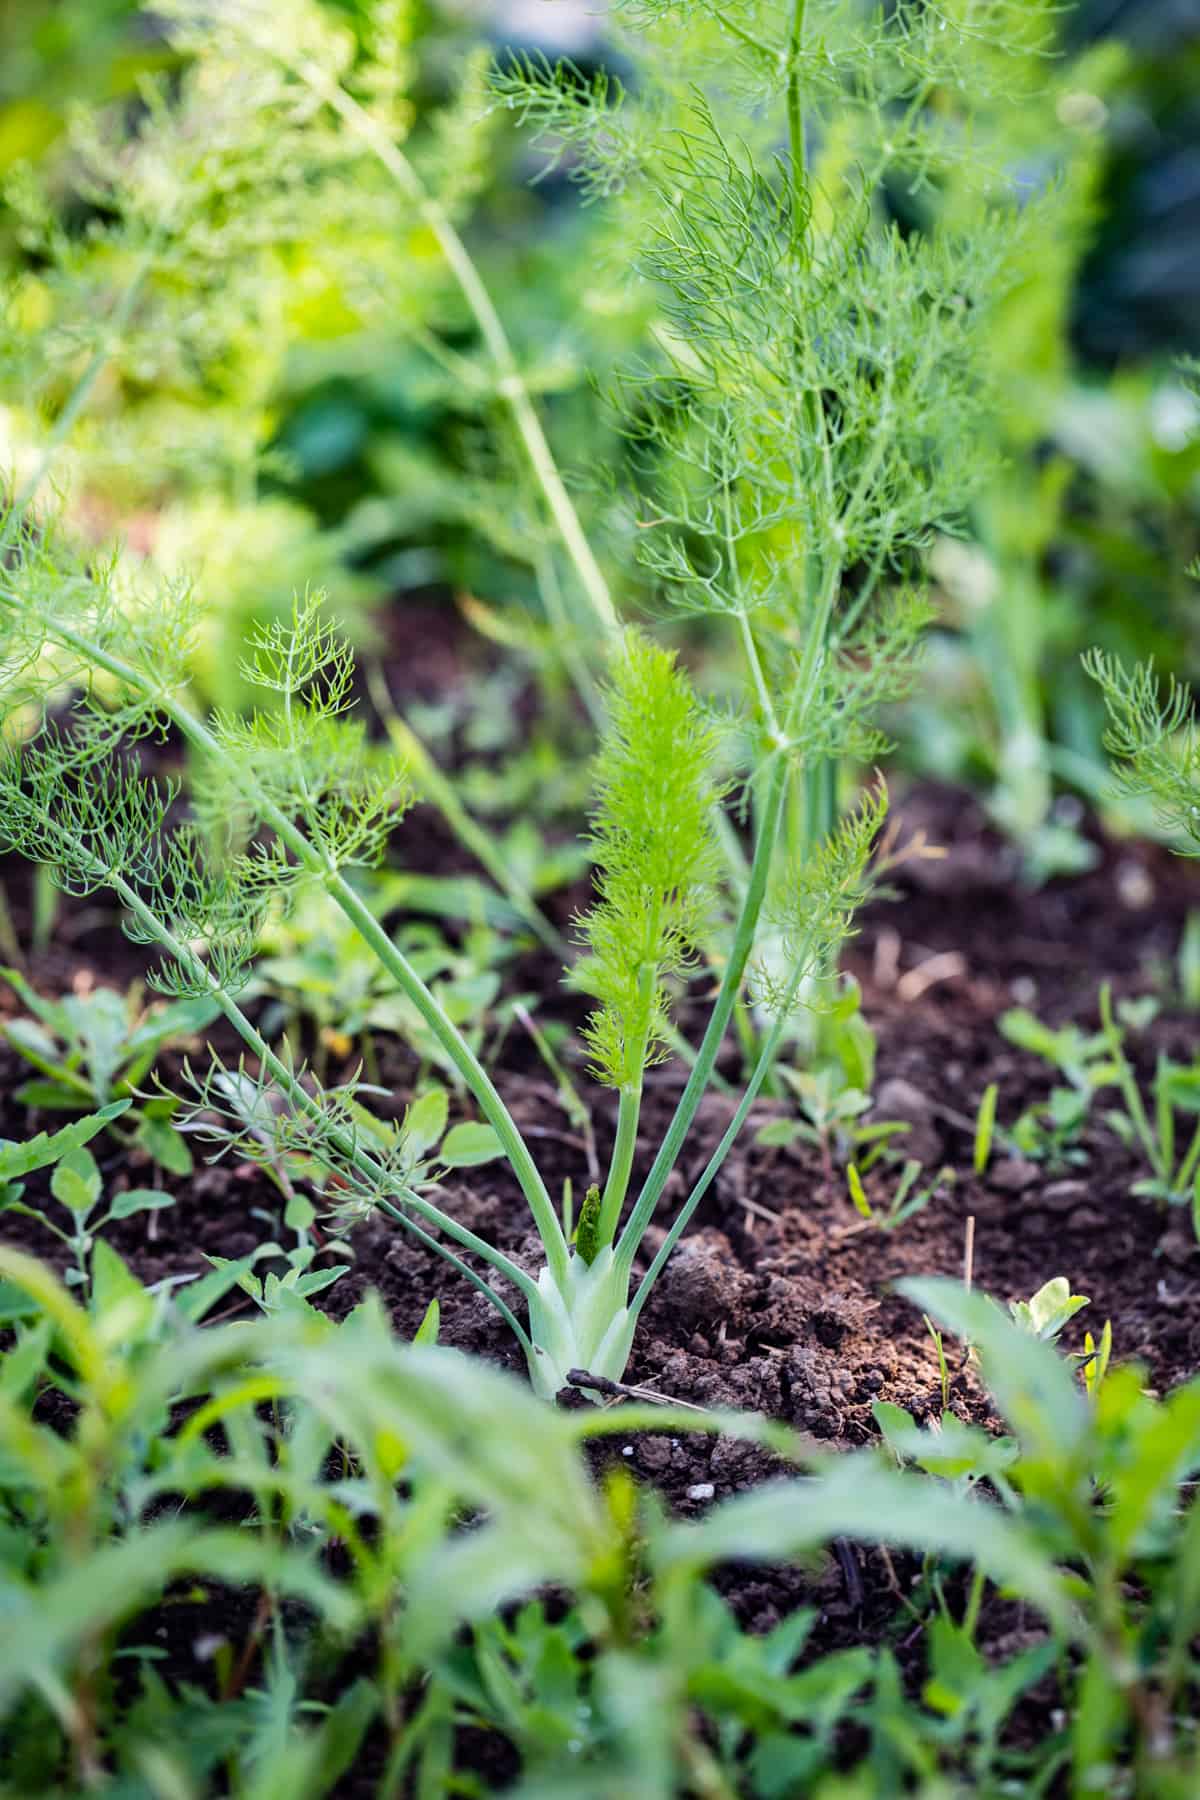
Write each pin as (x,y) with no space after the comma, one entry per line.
(777,1299)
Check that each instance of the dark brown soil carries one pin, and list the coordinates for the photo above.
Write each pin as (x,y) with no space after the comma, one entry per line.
(777,1299)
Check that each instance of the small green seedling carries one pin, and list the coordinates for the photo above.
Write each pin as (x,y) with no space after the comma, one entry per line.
(1093,1364)
(1090,1061)
(1050,1308)
(905,1202)
(939,1346)
(273,1293)
(76,1183)
(985,1127)
(97,1046)
(1175,1088)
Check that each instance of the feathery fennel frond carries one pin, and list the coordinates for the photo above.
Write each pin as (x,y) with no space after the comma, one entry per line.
(311,762)
(655,855)
(815,909)
(58,606)
(1153,737)
(585,123)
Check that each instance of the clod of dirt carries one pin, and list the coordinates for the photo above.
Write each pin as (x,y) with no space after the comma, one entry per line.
(703,1281)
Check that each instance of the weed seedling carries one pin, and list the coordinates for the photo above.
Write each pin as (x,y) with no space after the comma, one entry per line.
(75,1183)
(1049,1309)
(985,1127)
(98,1045)
(907,1199)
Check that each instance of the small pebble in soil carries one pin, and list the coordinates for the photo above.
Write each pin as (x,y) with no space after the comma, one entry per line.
(1134,886)
(1013,1175)
(703,1490)
(899,1099)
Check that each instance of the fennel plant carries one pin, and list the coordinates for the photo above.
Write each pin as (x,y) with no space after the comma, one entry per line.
(806,412)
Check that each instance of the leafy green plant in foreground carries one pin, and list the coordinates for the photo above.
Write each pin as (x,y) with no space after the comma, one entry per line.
(76,1184)
(319,1438)
(92,1047)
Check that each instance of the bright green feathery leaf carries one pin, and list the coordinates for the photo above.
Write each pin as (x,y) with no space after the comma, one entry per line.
(655,855)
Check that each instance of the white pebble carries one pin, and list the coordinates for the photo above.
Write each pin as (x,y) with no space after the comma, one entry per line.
(703,1490)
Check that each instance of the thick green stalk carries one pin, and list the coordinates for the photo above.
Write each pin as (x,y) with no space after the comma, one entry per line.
(731,982)
(762,1069)
(629,1108)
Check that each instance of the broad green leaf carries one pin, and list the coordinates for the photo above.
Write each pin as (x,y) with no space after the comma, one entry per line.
(1032,1385)
(50,1012)
(136,1200)
(1164,1448)
(76,1181)
(51,1096)
(777,1134)
(36,1044)
(164,1145)
(469,1144)
(299,1214)
(121,1306)
(425,1120)
(951,1450)
(48,1147)
(182,1018)
(863,1499)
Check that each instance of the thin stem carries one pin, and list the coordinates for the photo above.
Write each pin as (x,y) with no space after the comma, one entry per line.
(476,1076)
(735,968)
(397,965)
(298,1096)
(629,1109)
(795,121)
(1127,1082)
(464,1269)
(742,35)
(762,1069)
(510,384)
(437,788)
